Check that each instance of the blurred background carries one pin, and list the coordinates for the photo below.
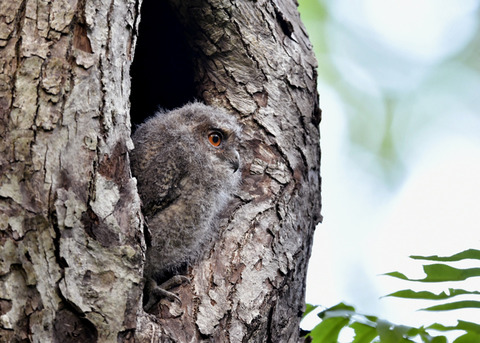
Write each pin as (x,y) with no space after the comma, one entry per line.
(399,85)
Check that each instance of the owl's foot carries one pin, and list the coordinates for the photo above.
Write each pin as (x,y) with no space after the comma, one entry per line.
(157,292)
(175,281)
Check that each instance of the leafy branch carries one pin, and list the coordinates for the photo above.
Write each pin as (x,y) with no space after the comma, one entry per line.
(371,329)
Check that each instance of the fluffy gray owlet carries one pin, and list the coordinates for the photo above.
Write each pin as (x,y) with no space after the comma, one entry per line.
(186,164)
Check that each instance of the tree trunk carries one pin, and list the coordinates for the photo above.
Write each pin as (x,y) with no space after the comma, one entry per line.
(70,221)
(71,230)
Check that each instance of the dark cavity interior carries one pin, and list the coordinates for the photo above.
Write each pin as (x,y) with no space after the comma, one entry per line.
(162,70)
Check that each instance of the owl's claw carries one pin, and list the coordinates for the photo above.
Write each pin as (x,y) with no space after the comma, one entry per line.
(158,292)
(175,281)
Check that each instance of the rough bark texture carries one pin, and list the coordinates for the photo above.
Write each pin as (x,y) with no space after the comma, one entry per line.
(254,58)
(70,224)
(71,240)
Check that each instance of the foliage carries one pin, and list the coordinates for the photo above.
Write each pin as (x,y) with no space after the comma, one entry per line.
(368,329)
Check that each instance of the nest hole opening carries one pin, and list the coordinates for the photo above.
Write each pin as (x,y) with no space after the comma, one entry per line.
(162,72)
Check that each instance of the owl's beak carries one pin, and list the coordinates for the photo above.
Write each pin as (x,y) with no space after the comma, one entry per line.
(235,161)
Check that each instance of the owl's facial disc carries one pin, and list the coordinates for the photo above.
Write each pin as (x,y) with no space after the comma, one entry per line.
(221,141)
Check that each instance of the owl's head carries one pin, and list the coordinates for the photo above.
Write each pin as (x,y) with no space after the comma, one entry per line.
(205,136)
(196,140)
(215,131)
(190,151)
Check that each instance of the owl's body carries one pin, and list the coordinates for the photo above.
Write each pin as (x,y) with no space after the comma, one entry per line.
(185,162)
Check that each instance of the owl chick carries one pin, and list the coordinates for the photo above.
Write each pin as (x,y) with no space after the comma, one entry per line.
(186,164)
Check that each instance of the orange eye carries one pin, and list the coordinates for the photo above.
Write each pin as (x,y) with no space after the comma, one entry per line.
(215,138)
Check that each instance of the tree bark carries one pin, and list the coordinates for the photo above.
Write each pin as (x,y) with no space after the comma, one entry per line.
(71,230)
(70,222)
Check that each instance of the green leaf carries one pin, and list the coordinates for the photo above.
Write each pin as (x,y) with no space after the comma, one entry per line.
(467,254)
(390,333)
(454,306)
(441,327)
(426,338)
(461,325)
(468,338)
(438,339)
(339,310)
(441,273)
(328,330)
(341,307)
(308,308)
(363,333)
(409,294)
(398,275)
(468,326)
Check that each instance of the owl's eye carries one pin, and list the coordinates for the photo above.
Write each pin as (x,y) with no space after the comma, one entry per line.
(215,138)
